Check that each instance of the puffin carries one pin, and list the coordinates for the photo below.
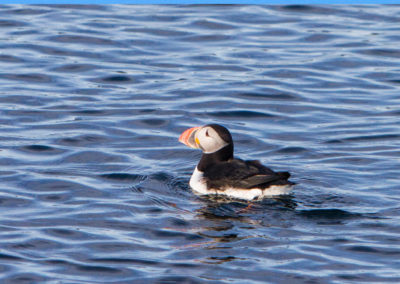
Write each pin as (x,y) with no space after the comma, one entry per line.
(220,173)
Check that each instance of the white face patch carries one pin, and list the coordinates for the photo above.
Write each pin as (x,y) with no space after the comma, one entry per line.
(209,140)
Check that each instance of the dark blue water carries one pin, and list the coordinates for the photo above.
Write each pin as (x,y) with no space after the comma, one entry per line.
(94,184)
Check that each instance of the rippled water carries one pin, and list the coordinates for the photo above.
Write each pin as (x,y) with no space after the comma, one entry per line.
(94,184)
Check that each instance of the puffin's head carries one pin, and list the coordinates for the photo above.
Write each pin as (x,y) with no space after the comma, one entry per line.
(209,138)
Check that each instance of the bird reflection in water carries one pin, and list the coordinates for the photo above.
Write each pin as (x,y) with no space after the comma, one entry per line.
(221,219)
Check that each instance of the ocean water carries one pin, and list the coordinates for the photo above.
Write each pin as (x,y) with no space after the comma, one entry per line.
(94,183)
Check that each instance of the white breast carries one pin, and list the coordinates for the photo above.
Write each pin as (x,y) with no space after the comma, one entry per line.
(199,185)
(197,182)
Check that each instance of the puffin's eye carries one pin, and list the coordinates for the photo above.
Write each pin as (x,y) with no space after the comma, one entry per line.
(207,133)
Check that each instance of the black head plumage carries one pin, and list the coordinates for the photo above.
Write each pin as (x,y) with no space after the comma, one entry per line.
(222,132)
(222,155)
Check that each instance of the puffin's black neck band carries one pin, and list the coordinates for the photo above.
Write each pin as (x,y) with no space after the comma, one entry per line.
(222,155)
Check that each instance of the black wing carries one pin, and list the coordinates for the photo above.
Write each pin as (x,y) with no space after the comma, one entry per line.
(243,174)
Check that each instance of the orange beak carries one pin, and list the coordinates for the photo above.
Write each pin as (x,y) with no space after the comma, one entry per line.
(188,137)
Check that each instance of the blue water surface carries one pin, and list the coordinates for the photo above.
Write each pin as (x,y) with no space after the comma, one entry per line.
(94,183)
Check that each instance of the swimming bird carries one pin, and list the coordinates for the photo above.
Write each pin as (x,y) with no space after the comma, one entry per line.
(218,172)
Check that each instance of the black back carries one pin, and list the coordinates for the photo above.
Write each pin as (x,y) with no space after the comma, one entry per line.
(221,170)
(237,173)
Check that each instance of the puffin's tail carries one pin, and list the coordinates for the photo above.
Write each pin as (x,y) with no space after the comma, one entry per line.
(285,176)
